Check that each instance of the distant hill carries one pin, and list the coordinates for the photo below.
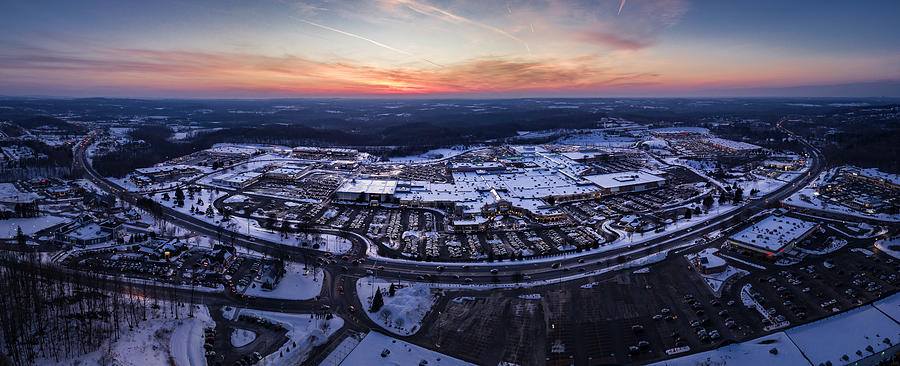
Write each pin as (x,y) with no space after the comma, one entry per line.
(47,121)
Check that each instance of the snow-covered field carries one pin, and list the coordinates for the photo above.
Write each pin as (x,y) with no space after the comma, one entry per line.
(402,313)
(303,329)
(399,353)
(9,193)
(297,284)
(156,341)
(9,227)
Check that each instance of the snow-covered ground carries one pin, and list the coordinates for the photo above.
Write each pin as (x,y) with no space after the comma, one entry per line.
(402,313)
(380,349)
(242,337)
(156,341)
(885,247)
(30,225)
(716,280)
(9,193)
(305,330)
(297,284)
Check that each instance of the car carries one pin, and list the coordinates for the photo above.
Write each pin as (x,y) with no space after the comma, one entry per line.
(385,352)
(494,271)
(380,268)
(440,268)
(665,311)
(805,290)
(633,349)
(468,280)
(420,278)
(369,272)
(351,309)
(657,317)
(257,356)
(637,328)
(324,307)
(554,265)
(730,324)
(341,289)
(644,344)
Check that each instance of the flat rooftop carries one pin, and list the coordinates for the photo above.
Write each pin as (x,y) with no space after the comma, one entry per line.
(623,179)
(370,186)
(773,232)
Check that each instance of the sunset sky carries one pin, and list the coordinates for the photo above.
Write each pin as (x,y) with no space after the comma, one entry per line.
(487,48)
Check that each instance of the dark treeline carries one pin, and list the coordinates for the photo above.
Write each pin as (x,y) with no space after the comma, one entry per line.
(54,314)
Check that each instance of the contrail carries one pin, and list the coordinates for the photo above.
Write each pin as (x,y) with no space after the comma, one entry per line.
(448,16)
(372,41)
(622,5)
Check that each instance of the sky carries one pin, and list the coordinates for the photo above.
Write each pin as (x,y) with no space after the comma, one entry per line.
(429,48)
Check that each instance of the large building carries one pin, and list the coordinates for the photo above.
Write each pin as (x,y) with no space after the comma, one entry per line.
(772,235)
(239,180)
(316,153)
(622,182)
(367,190)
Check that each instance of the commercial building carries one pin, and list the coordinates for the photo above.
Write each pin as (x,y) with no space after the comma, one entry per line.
(632,181)
(772,235)
(284,173)
(315,153)
(239,180)
(733,146)
(367,190)
(86,231)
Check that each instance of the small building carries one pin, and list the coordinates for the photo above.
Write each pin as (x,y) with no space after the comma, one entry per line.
(476,223)
(708,261)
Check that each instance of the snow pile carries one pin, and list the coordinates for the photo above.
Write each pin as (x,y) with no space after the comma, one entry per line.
(242,337)
(297,284)
(380,349)
(890,247)
(402,313)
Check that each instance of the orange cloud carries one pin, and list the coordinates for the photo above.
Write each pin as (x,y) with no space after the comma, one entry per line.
(291,75)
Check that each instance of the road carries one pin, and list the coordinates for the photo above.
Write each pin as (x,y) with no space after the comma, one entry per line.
(508,272)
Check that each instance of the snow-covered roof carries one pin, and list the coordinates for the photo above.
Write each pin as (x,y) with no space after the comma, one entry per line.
(370,186)
(844,334)
(774,232)
(622,179)
(729,144)
(241,178)
(398,353)
(231,150)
